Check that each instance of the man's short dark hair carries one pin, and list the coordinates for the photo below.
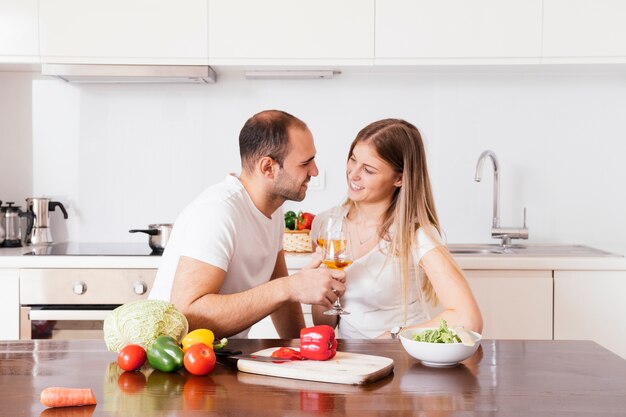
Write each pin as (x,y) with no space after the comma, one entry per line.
(265,134)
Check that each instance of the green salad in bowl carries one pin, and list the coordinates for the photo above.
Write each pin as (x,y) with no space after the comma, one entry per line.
(438,346)
(440,335)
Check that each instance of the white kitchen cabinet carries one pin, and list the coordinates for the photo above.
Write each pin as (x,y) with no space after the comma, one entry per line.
(584,31)
(265,329)
(123,32)
(10,304)
(589,305)
(458,31)
(286,32)
(19,36)
(515,304)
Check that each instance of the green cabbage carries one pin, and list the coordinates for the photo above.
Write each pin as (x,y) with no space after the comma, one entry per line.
(141,322)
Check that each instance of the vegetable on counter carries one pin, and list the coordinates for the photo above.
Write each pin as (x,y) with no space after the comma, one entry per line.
(220,345)
(305,220)
(205,336)
(440,335)
(287,353)
(318,342)
(290,220)
(131,357)
(67,397)
(141,322)
(200,359)
(165,355)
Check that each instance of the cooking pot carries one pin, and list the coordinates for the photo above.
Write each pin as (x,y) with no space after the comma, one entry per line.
(159,235)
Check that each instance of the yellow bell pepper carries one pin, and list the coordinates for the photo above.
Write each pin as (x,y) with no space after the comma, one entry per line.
(198,336)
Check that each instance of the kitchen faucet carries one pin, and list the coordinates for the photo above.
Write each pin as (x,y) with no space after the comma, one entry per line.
(497,232)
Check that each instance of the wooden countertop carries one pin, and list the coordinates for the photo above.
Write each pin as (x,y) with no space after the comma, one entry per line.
(504,378)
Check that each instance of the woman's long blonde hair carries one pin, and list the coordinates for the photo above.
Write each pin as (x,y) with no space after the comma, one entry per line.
(400,144)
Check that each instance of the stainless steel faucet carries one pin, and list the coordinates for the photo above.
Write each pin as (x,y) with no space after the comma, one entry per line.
(497,232)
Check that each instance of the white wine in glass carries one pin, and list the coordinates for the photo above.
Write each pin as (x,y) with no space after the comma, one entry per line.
(336,251)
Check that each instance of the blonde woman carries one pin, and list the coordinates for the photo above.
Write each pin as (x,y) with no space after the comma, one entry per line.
(400,262)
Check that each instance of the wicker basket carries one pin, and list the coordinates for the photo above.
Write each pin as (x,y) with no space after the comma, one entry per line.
(297,241)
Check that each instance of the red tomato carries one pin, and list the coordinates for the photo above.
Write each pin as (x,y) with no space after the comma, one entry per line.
(131,357)
(199,359)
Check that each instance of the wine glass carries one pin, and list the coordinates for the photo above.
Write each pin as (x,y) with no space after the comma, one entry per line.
(336,250)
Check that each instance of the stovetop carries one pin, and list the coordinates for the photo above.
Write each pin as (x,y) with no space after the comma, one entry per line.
(92,249)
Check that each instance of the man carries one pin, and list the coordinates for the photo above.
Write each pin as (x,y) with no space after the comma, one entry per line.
(224,267)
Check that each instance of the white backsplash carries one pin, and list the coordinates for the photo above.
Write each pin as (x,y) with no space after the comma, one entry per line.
(124,156)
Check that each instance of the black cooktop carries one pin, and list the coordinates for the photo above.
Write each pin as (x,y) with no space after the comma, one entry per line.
(92,249)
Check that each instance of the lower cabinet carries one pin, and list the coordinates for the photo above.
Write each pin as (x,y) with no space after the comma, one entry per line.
(589,305)
(10,304)
(515,304)
(265,328)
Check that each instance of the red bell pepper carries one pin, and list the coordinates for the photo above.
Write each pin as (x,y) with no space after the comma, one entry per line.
(305,220)
(318,343)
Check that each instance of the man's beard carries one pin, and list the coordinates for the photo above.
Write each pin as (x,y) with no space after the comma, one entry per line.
(286,188)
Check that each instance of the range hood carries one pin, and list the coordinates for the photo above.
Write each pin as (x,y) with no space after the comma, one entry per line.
(126,74)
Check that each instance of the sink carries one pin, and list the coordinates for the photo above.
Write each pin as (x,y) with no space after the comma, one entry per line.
(528,250)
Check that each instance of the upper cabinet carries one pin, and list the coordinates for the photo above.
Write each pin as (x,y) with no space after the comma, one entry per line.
(287,32)
(332,33)
(584,31)
(458,31)
(19,41)
(123,31)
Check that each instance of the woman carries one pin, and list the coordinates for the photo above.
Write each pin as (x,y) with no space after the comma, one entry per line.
(393,227)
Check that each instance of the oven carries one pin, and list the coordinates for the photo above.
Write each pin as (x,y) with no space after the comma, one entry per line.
(73,303)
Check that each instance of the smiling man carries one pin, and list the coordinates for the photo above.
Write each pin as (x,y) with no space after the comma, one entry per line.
(224,266)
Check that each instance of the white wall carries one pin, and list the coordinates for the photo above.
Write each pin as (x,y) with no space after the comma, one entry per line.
(124,156)
(16,176)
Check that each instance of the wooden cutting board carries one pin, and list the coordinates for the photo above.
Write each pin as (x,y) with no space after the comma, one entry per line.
(344,368)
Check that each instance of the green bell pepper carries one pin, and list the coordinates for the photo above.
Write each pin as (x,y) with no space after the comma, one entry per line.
(165,354)
(290,220)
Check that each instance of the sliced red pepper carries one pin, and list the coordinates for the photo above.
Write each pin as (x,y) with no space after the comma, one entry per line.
(318,343)
(287,353)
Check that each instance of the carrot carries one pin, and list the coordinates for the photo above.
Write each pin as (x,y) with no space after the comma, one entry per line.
(66,397)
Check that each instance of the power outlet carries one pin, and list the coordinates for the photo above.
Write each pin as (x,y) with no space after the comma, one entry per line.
(317,183)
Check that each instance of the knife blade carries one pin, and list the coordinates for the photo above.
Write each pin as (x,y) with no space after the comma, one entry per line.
(259,358)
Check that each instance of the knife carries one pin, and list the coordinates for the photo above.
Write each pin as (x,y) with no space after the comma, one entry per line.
(259,358)
(229,354)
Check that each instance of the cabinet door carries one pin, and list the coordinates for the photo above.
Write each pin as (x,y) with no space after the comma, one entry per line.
(19,41)
(514,304)
(286,32)
(457,31)
(587,30)
(10,304)
(589,305)
(124,31)
(265,329)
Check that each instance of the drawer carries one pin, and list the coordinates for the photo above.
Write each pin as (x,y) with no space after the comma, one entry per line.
(84,286)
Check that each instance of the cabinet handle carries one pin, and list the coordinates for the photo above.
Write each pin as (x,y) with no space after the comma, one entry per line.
(140,287)
(79,288)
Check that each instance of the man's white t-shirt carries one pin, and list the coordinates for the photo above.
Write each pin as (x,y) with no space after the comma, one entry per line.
(374,294)
(222,227)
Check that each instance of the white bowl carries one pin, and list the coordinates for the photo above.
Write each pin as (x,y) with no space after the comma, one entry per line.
(438,354)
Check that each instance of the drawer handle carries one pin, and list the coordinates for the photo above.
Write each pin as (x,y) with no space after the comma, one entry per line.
(80,288)
(140,287)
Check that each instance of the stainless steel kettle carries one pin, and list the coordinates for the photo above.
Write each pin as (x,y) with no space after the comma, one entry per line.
(38,232)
